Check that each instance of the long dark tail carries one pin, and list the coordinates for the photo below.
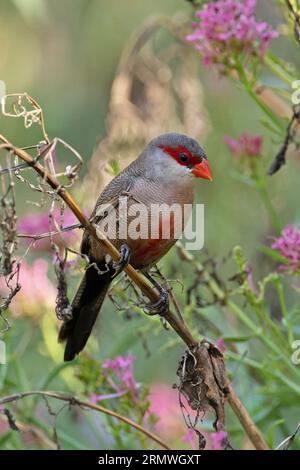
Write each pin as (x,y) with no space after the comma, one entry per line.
(85,308)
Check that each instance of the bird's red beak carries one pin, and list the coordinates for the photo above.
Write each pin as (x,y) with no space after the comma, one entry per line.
(202,170)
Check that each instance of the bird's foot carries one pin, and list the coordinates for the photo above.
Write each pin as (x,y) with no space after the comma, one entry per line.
(119,265)
(162,305)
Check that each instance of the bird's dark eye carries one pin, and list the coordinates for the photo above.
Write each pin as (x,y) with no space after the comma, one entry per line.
(184,158)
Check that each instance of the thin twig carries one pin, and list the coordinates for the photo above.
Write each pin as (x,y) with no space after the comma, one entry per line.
(49,234)
(296,18)
(76,402)
(280,158)
(249,426)
(139,280)
(288,441)
(171,294)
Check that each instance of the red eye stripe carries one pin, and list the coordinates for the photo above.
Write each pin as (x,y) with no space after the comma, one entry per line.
(177,151)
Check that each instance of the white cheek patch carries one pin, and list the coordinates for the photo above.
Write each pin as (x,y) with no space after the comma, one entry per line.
(175,170)
(167,169)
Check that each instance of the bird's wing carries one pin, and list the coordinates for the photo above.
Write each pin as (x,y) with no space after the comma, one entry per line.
(119,186)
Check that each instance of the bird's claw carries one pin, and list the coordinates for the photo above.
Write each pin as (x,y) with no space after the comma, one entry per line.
(161,306)
(119,265)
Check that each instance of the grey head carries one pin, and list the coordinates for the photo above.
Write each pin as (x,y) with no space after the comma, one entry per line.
(170,158)
(175,140)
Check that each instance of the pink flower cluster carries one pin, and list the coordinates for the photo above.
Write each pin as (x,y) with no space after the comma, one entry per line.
(39,223)
(122,370)
(220,343)
(288,245)
(245,146)
(170,424)
(191,438)
(165,407)
(4,427)
(122,366)
(37,294)
(228,27)
(217,440)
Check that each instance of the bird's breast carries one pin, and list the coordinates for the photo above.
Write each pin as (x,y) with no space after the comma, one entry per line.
(149,220)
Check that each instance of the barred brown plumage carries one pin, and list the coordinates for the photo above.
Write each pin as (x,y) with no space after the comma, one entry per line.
(155,178)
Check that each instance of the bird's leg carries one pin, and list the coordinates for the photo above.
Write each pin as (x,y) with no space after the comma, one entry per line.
(162,305)
(125,253)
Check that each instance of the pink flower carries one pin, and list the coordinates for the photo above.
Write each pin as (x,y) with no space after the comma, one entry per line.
(191,438)
(39,223)
(245,146)
(122,368)
(164,404)
(37,293)
(251,283)
(220,343)
(288,245)
(170,423)
(217,440)
(227,27)
(4,427)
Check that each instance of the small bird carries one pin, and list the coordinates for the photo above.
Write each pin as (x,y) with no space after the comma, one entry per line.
(164,173)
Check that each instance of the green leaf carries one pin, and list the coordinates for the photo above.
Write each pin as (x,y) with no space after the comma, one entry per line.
(271,432)
(114,167)
(273,254)
(238,339)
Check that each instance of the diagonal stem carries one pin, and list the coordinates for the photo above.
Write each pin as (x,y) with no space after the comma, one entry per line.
(180,328)
(75,401)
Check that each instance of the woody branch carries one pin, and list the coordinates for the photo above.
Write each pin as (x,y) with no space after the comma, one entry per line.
(200,351)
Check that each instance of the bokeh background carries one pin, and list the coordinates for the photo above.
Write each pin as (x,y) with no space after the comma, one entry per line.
(67,56)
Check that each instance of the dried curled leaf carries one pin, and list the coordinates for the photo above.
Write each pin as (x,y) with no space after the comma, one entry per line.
(203,381)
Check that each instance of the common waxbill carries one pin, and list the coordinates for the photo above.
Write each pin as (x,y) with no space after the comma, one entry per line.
(164,173)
